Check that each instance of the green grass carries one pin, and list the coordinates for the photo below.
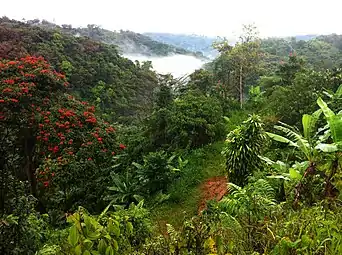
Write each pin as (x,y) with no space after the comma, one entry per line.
(185,193)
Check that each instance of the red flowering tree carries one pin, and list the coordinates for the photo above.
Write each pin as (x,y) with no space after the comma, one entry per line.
(64,150)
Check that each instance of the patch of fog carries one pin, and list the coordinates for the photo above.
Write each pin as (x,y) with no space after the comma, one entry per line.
(177,65)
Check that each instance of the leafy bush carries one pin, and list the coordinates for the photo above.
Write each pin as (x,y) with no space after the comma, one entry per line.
(108,233)
(157,171)
(195,120)
(244,145)
(125,189)
(24,230)
(154,175)
(312,230)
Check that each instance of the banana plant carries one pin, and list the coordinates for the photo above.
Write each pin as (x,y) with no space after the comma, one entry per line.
(306,142)
(313,144)
(312,141)
(334,122)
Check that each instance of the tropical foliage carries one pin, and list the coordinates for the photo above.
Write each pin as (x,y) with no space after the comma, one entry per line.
(100,155)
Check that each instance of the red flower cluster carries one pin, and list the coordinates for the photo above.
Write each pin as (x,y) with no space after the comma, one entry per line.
(67,130)
(90,117)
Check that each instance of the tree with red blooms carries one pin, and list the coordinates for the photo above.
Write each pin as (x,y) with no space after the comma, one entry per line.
(49,138)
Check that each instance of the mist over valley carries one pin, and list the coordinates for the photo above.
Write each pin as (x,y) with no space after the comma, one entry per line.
(177,65)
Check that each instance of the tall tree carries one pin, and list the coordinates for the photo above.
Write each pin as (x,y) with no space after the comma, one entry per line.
(244,58)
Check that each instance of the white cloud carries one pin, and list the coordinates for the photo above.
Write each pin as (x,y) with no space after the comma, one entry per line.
(215,17)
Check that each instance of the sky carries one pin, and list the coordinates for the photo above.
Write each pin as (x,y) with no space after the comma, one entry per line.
(203,17)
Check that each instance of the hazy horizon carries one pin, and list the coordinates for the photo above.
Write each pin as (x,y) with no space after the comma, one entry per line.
(215,18)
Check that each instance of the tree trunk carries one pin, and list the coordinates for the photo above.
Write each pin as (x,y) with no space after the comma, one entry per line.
(241,87)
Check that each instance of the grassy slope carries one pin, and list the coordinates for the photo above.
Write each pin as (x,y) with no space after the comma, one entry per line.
(185,193)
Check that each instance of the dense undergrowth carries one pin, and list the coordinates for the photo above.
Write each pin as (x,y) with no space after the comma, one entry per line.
(103,156)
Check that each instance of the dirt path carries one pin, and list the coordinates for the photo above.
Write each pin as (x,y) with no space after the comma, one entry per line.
(212,188)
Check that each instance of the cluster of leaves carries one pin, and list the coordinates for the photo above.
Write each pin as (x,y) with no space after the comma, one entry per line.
(244,145)
(153,176)
(111,232)
(24,230)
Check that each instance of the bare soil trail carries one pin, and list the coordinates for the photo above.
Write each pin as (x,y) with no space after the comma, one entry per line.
(212,188)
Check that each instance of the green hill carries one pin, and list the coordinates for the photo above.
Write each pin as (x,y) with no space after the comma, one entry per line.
(96,70)
(128,42)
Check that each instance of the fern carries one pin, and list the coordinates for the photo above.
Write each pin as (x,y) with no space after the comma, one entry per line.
(257,198)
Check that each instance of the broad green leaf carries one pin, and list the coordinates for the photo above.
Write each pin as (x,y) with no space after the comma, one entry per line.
(326,110)
(301,142)
(130,227)
(113,229)
(109,250)
(307,122)
(88,222)
(335,125)
(278,177)
(338,92)
(295,174)
(93,235)
(73,236)
(102,246)
(116,246)
(78,250)
(137,165)
(108,237)
(302,165)
(86,252)
(87,244)
(281,139)
(326,147)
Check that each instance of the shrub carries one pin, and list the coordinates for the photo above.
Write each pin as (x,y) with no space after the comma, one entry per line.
(244,145)
(157,172)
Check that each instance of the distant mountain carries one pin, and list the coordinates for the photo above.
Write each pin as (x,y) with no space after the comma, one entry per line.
(128,42)
(305,37)
(198,43)
(194,43)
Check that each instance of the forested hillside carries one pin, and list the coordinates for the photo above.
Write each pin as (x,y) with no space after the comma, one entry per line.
(320,52)
(128,42)
(97,71)
(194,43)
(100,155)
